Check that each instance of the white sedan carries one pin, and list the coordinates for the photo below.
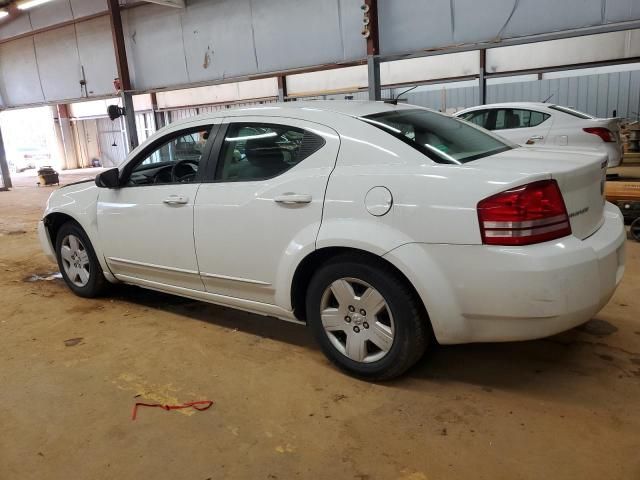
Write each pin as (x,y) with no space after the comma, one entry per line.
(382,227)
(544,124)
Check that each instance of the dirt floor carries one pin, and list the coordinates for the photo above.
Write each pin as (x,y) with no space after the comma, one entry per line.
(71,369)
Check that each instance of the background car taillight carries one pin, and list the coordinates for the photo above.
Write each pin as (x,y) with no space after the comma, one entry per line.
(532,213)
(604,133)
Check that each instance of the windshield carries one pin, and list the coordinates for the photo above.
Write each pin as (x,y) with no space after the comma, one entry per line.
(442,138)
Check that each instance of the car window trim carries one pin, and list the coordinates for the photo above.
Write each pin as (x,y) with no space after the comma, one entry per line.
(209,172)
(125,174)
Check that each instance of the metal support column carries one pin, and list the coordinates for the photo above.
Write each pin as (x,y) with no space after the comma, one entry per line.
(370,31)
(4,167)
(482,79)
(64,137)
(282,88)
(130,120)
(123,71)
(158,117)
(373,75)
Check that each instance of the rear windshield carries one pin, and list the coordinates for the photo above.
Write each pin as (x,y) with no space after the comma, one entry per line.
(442,138)
(571,111)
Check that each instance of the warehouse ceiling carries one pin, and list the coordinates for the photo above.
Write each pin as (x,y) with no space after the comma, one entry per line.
(62,50)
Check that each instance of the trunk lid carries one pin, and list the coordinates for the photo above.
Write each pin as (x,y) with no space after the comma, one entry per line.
(580,175)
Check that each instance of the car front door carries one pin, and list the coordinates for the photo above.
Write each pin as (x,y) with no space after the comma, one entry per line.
(146,225)
(263,203)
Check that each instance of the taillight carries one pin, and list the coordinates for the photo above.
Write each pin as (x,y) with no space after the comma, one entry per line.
(604,133)
(532,213)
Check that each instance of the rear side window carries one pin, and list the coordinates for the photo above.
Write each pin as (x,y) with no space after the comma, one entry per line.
(258,151)
(478,117)
(506,118)
(571,111)
(442,138)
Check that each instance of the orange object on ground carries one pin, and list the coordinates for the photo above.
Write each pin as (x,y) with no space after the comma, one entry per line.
(207,404)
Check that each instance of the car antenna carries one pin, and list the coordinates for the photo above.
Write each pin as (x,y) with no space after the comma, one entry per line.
(548,98)
(394,101)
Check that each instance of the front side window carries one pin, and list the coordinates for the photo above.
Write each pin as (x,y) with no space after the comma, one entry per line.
(175,161)
(258,151)
(442,138)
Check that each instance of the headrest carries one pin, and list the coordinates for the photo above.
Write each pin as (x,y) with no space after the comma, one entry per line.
(512,120)
(263,152)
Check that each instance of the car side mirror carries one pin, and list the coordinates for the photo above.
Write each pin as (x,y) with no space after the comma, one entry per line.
(108,179)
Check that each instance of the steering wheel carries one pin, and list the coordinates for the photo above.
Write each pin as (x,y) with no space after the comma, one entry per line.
(181,173)
(162,176)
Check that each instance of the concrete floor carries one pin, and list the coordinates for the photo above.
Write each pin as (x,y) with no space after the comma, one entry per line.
(563,407)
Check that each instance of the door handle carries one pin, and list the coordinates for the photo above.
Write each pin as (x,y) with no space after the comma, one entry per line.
(176,200)
(293,198)
(533,139)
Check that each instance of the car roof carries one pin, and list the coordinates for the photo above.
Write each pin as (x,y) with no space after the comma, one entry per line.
(308,109)
(318,111)
(353,108)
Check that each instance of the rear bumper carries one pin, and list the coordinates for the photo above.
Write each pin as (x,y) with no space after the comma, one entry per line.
(614,154)
(479,293)
(45,241)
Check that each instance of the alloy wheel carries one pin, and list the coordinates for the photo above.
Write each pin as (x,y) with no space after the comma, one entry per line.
(357,320)
(75,260)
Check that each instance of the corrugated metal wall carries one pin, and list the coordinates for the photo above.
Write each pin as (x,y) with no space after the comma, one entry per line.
(598,94)
(409,25)
(447,98)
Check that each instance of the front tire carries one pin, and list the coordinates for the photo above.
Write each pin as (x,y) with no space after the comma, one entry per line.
(78,262)
(366,318)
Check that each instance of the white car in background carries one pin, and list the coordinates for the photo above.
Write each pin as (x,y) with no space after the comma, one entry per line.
(544,124)
(380,226)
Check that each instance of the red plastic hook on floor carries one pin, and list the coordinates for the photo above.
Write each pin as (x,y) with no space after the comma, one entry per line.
(197,405)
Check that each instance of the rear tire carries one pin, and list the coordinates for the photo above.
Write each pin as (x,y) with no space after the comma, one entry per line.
(366,318)
(78,262)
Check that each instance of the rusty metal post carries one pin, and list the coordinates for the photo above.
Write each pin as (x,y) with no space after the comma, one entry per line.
(482,79)
(282,88)
(370,30)
(4,167)
(158,117)
(373,39)
(123,72)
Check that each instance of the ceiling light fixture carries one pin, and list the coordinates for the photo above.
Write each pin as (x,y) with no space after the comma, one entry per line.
(30,4)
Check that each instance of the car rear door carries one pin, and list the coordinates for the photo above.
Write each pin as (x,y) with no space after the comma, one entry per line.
(262,204)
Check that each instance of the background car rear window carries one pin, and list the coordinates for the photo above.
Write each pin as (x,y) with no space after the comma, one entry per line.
(571,111)
(257,151)
(442,138)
